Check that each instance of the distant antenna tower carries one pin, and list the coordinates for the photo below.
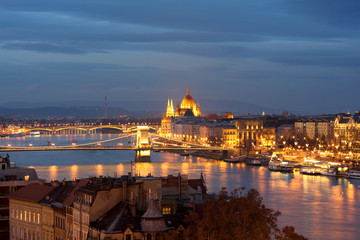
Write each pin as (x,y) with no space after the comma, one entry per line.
(106,109)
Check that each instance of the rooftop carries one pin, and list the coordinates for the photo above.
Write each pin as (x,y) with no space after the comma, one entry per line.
(32,192)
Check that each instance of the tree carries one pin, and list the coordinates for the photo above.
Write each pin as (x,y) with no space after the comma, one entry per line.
(237,216)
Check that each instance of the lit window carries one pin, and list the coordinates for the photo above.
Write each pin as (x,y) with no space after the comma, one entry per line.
(27,178)
(25,216)
(21,215)
(166,211)
(38,218)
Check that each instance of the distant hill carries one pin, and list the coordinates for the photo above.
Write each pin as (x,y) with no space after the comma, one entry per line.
(45,112)
(132,108)
(237,107)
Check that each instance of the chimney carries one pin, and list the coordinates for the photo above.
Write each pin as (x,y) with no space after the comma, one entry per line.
(106,109)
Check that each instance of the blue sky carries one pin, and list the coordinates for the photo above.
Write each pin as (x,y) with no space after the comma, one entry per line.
(300,55)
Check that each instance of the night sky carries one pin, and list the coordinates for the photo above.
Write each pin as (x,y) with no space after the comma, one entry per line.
(301,55)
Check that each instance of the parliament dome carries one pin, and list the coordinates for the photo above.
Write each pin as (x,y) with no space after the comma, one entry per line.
(188,102)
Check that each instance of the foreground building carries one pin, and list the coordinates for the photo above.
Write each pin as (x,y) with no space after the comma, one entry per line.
(12,178)
(105,208)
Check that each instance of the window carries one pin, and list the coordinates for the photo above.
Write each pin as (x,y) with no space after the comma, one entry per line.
(34,218)
(148,236)
(181,234)
(38,218)
(12,189)
(27,177)
(166,211)
(128,237)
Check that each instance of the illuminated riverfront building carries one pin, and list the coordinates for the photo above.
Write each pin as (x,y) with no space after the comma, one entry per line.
(188,103)
(188,107)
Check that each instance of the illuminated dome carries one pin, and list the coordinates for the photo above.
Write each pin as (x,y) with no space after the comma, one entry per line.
(188,102)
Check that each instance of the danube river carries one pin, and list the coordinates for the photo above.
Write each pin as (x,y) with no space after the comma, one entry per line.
(319,207)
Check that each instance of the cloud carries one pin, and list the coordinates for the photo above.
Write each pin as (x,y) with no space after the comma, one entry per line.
(234,49)
(313,60)
(43,47)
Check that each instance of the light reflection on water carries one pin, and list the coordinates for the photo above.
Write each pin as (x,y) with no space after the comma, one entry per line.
(319,207)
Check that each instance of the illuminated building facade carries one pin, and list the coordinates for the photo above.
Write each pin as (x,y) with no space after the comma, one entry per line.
(188,103)
(188,107)
(249,131)
(347,131)
(314,129)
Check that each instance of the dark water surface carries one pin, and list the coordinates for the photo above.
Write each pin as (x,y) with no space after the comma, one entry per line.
(319,207)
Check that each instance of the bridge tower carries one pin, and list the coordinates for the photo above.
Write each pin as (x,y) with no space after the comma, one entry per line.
(142,144)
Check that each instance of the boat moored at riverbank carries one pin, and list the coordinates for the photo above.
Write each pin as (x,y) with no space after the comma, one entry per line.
(310,170)
(236,159)
(353,174)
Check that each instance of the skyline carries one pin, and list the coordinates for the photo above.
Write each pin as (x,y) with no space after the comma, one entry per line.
(301,56)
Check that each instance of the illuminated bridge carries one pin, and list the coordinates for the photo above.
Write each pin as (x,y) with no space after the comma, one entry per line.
(139,138)
(85,129)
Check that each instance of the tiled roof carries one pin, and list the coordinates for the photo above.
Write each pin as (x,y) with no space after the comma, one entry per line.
(70,199)
(59,194)
(31,192)
(152,211)
(117,219)
(19,172)
(174,220)
(197,183)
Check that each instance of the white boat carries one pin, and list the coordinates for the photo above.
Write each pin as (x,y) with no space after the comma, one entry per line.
(310,170)
(254,162)
(353,174)
(280,166)
(331,172)
(34,134)
(236,159)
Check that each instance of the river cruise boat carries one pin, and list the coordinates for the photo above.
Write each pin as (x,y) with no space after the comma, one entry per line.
(310,170)
(257,160)
(281,166)
(187,153)
(254,162)
(353,174)
(236,159)
(331,172)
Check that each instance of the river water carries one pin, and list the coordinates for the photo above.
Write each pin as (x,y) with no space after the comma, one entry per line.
(319,207)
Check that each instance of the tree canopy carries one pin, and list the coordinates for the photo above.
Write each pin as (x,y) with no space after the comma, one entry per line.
(236,216)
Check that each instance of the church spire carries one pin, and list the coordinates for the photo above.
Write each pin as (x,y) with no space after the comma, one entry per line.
(188,92)
(170,109)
